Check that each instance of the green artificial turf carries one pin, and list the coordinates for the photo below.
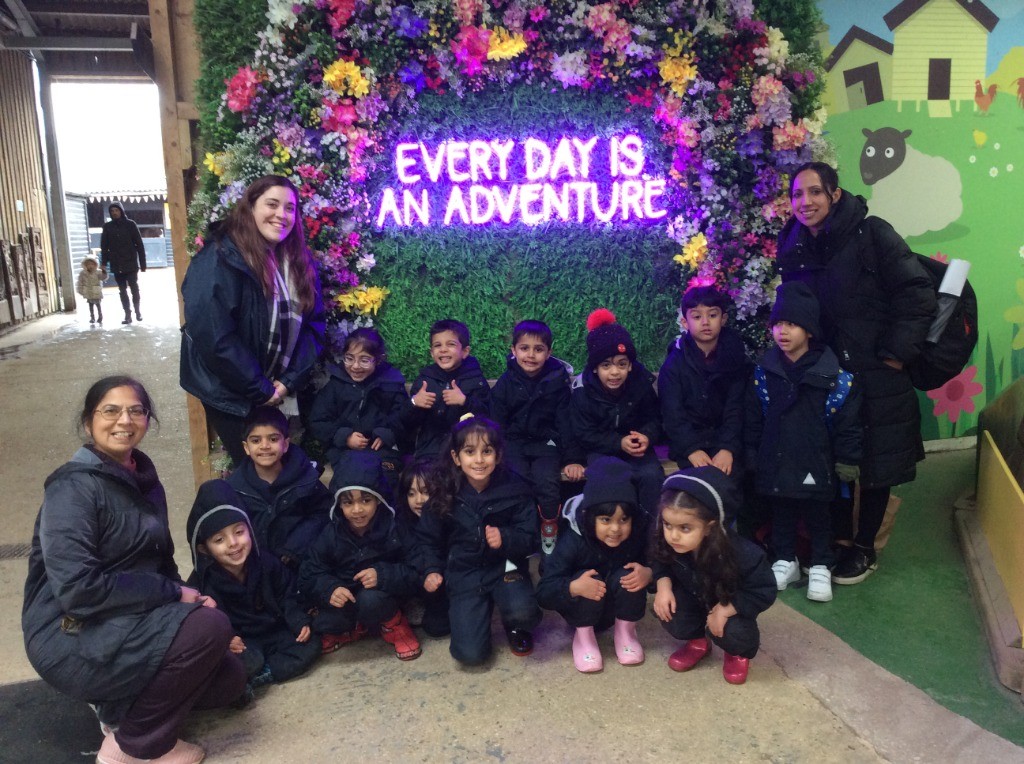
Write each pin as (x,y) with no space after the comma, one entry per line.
(915,616)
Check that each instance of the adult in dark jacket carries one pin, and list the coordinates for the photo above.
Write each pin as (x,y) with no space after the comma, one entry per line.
(369,407)
(106,617)
(258,593)
(124,255)
(254,317)
(877,303)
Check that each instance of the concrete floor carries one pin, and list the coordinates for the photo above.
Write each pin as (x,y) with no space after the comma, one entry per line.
(810,697)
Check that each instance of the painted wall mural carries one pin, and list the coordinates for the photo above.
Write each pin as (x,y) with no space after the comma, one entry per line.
(926,113)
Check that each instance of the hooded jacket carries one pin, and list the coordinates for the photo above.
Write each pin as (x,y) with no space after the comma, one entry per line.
(877,302)
(339,553)
(702,397)
(289,513)
(264,603)
(576,552)
(430,427)
(101,597)
(794,447)
(534,411)
(454,545)
(224,342)
(600,420)
(372,408)
(121,244)
(90,283)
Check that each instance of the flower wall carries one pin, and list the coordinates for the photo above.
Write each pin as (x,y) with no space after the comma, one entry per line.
(723,98)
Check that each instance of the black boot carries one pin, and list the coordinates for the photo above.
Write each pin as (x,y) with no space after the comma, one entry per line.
(92,317)
(127,318)
(138,315)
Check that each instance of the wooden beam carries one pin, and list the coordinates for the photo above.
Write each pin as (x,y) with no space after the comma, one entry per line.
(107,10)
(20,42)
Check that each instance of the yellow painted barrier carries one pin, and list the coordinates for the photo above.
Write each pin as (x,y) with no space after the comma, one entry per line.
(1000,507)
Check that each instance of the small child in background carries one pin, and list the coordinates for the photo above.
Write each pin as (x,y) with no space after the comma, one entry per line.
(426,609)
(614,409)
(597,572)
(530,401)
(702,384)
(283,495)
(360,407)
(711,584)
(255,590)
(475,535)
(803,436)
(359,570)
(452,386)
(90,286)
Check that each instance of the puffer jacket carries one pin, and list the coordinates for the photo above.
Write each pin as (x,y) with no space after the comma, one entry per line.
(227,330)
(877,302)
(101,598)
(121,244)
(372,408)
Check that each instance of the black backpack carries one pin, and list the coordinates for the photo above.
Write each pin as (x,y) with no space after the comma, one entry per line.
(939,362)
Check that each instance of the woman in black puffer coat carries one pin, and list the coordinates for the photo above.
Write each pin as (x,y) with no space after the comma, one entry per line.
(877,303)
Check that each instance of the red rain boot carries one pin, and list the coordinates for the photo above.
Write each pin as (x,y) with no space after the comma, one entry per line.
(396,631)
(735,669)
(689,655)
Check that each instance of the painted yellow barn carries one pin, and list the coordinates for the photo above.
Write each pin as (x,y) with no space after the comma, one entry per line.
(858,72)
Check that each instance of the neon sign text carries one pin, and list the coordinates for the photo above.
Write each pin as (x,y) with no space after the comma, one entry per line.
(530,182)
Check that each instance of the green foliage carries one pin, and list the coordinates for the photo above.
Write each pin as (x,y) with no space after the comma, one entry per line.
(799,20)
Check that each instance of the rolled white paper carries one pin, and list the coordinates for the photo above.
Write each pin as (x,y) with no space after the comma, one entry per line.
(955,278)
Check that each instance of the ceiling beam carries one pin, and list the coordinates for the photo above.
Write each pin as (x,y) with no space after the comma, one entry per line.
(22,17)
(15,42)
(109,10)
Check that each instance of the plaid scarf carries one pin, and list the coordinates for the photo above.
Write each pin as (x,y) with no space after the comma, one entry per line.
(285,323)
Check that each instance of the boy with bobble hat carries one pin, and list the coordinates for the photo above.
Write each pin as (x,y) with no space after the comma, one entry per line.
(255,590)
(614,410)
(358,571)
(803,436)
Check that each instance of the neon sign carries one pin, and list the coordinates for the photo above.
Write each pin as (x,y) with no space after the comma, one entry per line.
(479,182)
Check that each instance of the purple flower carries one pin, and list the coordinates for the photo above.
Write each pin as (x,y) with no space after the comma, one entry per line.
(407,23)
(412,74)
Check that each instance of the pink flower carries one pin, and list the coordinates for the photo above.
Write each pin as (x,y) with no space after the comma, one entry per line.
(339,13)
(338,116)
(957,395)
(466,11)
(789,135)
(242,88)
(941,257)
(470,48)
(538,14)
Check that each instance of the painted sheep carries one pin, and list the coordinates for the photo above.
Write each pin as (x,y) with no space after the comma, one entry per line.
(914,192)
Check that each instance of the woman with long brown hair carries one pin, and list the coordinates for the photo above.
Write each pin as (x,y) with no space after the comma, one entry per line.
(254,318)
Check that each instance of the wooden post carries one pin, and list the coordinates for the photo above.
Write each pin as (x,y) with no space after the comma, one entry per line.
(177,67)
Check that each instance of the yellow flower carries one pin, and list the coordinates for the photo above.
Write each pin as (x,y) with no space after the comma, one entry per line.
(504,45)
(694,251)
(363,300)
(215,163)
(281,154)
(678,72)
(346,78)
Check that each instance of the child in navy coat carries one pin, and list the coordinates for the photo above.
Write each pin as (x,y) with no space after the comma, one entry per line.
(255,590)
(597,572)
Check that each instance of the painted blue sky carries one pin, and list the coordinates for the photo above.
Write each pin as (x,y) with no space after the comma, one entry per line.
(840,15)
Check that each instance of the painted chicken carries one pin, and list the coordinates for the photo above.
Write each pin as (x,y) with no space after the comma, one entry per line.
(983,99)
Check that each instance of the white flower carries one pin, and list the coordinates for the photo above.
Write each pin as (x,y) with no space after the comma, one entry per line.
(996,146)
(280,13)
(972,159)
(366,263)
(1009,168)
(993,172)
(1021,253)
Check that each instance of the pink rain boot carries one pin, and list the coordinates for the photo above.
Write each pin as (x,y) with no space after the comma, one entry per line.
(585,652)
(627,646)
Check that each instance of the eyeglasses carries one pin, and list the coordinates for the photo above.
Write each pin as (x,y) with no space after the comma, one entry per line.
(364,362)
(113,413)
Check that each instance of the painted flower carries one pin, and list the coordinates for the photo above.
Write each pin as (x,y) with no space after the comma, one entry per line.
(346,78)
(956,396)
(470,47)
(242,88)
(1015,315)
(504,45)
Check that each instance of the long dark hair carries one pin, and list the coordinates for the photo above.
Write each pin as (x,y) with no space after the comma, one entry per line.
(260,256)
(589,520)
(448,477)
(715,558)
(419,469)
(98,391)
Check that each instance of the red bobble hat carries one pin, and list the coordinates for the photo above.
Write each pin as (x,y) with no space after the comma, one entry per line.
(606,338)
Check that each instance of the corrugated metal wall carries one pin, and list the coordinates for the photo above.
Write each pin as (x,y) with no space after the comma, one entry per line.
(76,210)
(21,180)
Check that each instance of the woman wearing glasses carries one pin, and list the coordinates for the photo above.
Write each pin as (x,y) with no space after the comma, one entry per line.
(254,318)
(106,618)
(359,408)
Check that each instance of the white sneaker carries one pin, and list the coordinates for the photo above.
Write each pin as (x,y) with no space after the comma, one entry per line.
(819,584)
(786,572)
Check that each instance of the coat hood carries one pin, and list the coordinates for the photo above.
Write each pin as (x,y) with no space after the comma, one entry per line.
(217,506)
(843,219)
(360,471)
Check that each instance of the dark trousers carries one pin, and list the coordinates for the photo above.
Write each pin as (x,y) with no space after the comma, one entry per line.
(197,671)
(96,309)
(817,517)
(470,614)
(126,281)
(648,475)
(741,636)
(286,658)
(435,612)
(873,502)
(617,603)
(230,428)
(544,474)
(371,608)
